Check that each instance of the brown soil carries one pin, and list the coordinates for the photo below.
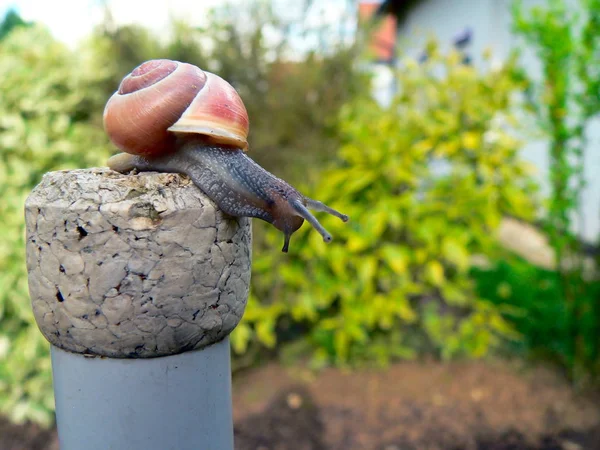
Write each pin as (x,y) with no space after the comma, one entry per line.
(410,406)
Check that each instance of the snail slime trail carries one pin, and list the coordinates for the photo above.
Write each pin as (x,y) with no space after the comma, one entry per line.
(193,122)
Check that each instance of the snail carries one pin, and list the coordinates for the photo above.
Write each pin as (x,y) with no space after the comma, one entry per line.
(169,116)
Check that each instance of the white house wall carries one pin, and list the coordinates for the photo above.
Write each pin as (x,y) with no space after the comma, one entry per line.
(490,23)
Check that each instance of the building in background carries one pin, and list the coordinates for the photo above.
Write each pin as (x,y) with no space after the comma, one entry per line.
(474,26)
(382,47)
(382,44)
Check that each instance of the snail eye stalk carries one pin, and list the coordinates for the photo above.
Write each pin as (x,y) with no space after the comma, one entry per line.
(306,215)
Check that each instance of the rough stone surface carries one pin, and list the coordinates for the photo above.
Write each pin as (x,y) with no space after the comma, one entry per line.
(133,266)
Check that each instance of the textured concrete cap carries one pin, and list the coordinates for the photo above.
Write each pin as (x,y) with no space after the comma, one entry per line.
(133,266)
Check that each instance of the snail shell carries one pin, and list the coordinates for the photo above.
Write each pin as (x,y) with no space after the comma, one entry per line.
(162,98)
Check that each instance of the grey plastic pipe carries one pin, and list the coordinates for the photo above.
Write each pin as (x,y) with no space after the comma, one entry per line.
(137,281)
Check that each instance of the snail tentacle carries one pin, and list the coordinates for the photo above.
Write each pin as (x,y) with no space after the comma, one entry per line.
(306,215)
(316,205)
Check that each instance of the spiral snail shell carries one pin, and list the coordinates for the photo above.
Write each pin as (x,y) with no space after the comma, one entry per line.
(170,116)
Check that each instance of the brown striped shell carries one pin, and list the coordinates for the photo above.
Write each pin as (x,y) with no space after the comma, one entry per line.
(162,98)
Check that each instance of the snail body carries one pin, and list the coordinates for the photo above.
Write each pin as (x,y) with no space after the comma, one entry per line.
(173,117)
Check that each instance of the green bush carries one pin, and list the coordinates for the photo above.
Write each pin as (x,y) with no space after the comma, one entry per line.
(539,312)
(49,119)
(564,99)
(396,279)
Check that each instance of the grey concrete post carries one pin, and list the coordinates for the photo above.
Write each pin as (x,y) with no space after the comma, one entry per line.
(137,281)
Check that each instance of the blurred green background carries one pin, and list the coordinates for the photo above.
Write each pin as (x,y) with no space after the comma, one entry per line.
(432,181)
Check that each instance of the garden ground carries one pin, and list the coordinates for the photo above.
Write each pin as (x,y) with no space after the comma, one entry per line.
(425,406)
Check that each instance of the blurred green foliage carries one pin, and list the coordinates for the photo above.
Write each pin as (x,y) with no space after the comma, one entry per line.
(396,279)
(11,20)
(565,98)
(49,119)
(538,310)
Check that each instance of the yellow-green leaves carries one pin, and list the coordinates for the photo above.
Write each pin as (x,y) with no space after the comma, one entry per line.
(425,182)
(397,258)
(456,253)
(434,273)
